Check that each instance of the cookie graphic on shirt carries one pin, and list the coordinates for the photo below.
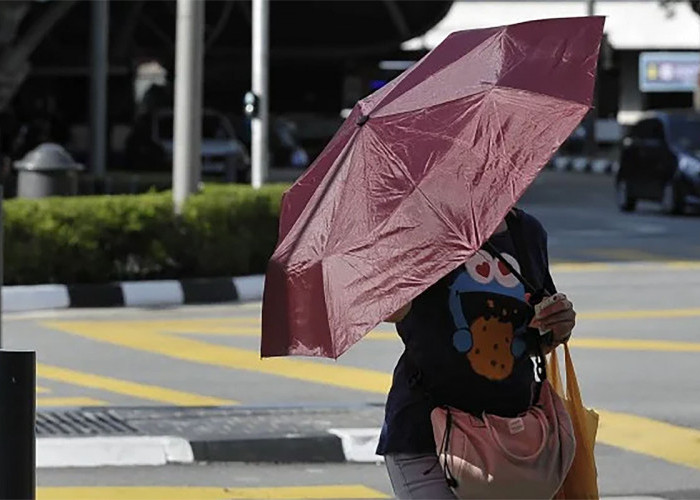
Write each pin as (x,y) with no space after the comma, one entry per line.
(487,304)
(491,355)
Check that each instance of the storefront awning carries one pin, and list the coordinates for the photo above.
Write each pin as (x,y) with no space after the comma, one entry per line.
(630,25)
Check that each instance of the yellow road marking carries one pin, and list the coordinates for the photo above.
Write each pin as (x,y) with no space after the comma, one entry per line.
(150,340)
(638,434)
(626,254)
(243,331)
(684,265)
(69,402)
(118,386)
(635,345)
(206,493)
(678,445)
(42,390)
(252,325)
(641,314)
(581,267)
(594,267)
(579,342)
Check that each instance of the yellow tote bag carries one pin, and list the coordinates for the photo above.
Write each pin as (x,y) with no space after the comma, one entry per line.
(582,480)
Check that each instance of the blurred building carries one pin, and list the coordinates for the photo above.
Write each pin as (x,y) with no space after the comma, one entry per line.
(325,55)
(322,54)
(660,37)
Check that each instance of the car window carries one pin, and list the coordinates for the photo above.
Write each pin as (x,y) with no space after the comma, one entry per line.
(213,127)
(656,129)
(685,132)
(651,128)
(165,127)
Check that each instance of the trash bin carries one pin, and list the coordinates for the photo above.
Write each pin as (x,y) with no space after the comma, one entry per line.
(47,170)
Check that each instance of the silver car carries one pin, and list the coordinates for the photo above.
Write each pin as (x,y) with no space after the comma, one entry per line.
(222,153)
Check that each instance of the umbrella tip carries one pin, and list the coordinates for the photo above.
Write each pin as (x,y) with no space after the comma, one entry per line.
(362,119)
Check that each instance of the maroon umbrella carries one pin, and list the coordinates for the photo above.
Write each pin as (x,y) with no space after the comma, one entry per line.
(419,176)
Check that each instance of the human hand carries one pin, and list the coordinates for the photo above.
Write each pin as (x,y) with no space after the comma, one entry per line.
(555,314)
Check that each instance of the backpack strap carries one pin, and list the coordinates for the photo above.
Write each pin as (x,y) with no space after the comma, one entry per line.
(532,285)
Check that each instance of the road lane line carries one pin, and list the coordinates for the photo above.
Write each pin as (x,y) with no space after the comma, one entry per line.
(206,493)
(579,342)
(253,332)
(606,267)
(174,346)
(634,345)
(684,265)
(133,389)
(223,325)
(672,443)
(42,390)
(640,314)
(675,444)
(75,401)
(625,254)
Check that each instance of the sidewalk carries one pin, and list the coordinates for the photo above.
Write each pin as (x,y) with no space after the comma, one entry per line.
(160,435)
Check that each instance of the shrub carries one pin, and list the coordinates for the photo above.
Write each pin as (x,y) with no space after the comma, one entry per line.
(223,231)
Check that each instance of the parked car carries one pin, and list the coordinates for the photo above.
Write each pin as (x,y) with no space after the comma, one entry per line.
(660,161)
(285,148)
(150,145)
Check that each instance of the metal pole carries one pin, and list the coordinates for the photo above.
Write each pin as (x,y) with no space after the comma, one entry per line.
(2,253)
(186,157)
(17,423)
(259,123)
(590,119)
(98,87)
(197,95)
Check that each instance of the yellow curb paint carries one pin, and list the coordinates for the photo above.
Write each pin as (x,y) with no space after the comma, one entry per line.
(133,389)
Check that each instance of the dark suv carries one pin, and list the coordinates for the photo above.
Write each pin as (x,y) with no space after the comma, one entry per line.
(660,161)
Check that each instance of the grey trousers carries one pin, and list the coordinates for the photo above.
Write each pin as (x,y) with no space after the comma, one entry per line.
(407,472)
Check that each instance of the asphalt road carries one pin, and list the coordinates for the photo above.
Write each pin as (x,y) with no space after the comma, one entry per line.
(584,224)
(633,280)
(315,481)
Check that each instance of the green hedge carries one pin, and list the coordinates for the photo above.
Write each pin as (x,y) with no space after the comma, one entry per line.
(224,231)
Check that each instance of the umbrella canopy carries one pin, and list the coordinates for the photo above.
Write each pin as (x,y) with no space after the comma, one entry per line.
(419,176)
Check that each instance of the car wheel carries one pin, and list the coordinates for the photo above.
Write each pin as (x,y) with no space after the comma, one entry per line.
(625,202)
(671,202)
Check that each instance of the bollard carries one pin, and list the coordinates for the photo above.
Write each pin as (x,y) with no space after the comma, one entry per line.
(17,424)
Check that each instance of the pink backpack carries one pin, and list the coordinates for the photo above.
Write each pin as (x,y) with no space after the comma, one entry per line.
(496,457)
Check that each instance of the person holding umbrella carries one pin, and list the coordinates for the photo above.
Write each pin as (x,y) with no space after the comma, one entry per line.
(468,342)
(407,214)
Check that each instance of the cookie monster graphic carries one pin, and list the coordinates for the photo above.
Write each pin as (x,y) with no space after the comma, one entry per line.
(488,306)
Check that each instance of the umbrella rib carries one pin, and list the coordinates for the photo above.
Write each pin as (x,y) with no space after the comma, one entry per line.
(426,81)
(540,94)
(499,132)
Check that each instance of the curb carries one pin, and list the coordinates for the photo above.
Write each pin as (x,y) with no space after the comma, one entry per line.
(133,293)
(334,446)
(102,451)
(583,164)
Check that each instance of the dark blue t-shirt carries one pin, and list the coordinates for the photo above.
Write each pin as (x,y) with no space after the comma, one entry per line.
(467,343)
